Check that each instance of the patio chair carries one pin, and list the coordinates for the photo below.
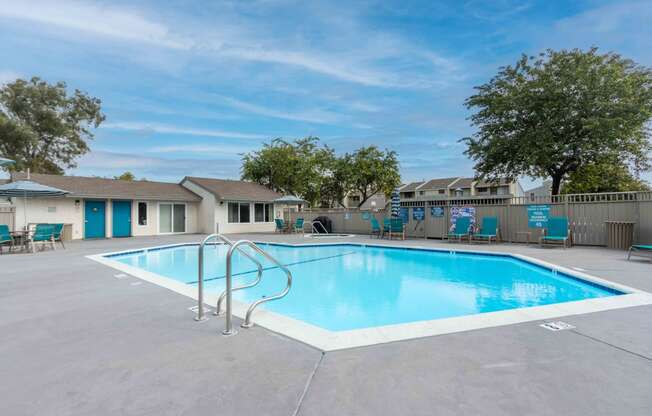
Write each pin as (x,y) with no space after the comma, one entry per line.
(375,228)
(43,233)
(460,229)
(280,225)
(57,234)
(557,232)
(387,225)
(396,227)
(489,230)
(6,238)
(298,225)
(640,250)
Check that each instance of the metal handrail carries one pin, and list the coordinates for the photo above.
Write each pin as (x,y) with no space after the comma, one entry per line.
(200,278)
(315,230)
(247,322)
(218,306)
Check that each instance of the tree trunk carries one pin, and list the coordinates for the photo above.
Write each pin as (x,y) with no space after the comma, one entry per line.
(556,183)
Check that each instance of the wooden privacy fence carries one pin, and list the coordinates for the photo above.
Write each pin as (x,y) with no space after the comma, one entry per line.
(7,216)
(587,214)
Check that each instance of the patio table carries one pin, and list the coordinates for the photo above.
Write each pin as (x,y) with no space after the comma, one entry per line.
(21,238)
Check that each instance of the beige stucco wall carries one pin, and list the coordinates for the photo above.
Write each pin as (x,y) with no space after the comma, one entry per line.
(64,210)
(205,208)
(50,210)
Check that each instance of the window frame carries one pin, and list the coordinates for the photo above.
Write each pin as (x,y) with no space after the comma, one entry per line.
(228,210)
(138,224)
(268,213)
(185,217)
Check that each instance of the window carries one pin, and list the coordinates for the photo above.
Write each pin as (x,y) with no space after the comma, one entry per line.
(422,192)
(239,212)
(493,190)
(442,191)
(172,218)
(263,212)
(142,213)
(482,189)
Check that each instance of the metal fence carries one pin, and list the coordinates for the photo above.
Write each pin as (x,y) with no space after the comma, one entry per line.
(7,216)
(587,214)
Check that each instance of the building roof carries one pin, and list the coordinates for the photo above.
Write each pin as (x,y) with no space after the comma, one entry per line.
(463,183)
(232,190)
(437,183)
(499,181)
(90,187)
(411,187)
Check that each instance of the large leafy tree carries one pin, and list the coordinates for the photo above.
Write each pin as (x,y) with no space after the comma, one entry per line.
(372,171)
(603,176)
(559,113)
(296,168)
(44,128)
(316,174)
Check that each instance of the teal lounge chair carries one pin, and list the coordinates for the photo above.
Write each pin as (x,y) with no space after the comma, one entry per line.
(461,229)
(43,233)
(489,230)
(280,225)
(640,250)
(396,228)
(57,233)
(557,232)
(298,225)
(387,225)
(375,228)
(6,238)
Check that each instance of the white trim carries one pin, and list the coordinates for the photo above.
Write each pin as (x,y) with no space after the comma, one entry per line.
(336,340)
(228,220)
(271,204)
(185,219)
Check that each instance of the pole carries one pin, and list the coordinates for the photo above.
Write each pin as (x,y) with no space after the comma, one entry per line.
(228,330)
(200,284)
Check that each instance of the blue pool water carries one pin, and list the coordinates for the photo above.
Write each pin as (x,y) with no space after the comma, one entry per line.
(343,287)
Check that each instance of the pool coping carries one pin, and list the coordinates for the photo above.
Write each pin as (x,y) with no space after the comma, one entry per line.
(326,340)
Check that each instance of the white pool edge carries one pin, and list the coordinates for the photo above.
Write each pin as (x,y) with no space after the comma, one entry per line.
(326,340)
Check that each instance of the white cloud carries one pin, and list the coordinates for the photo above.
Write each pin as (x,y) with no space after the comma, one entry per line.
(224,149)
(187,131)
(311,116)
(94,19)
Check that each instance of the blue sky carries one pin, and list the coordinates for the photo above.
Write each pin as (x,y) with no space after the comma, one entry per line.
(187,86)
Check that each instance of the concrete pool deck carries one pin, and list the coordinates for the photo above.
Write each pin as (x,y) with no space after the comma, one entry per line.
(79,341)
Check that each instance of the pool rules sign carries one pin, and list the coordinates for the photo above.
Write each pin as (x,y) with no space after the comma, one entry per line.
(537,216)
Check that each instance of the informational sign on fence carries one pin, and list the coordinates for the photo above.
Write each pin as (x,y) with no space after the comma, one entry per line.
(537,216)
(347,216)
(437,212)
(366,216)
(418,213)
(404,215)
(457,212)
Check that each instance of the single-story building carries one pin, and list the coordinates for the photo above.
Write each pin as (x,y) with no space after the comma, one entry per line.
(230,206)
(102,208)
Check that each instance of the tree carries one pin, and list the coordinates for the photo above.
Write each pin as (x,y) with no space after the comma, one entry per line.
(316,174)
(603,177)
(555,114)
(43,128)
(296,168)
(126,176)
(372,171)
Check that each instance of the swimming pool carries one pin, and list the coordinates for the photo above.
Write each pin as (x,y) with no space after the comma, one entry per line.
(345,287)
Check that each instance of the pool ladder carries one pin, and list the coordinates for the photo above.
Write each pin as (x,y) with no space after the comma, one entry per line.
(227,293)
(315,230)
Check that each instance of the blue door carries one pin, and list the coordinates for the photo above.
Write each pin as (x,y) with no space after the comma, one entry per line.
(94,219)
(121,218)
